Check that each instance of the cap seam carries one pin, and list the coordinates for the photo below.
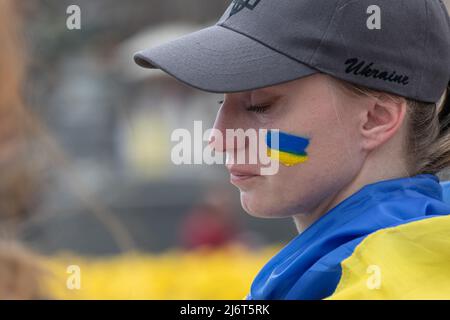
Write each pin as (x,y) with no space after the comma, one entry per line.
(447,18)
(264,44)
(311,59)
(419,83)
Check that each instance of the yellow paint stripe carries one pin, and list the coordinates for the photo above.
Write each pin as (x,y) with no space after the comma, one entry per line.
(410,261)
(288,159)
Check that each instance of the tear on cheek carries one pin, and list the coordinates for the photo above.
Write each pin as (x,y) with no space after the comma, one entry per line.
(288,149)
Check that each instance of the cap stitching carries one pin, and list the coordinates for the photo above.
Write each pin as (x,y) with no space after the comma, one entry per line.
(310,61)
(447,18)
(419,83)
(264,44)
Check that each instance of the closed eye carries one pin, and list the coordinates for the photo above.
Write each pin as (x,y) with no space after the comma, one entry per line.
(255,108)
(258,108)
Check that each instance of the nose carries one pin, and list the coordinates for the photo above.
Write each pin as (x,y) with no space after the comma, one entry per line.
(227,119)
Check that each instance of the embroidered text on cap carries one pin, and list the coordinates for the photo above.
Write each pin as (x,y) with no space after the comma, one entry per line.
(238,5)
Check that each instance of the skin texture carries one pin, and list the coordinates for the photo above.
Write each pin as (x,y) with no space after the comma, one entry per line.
(353,138)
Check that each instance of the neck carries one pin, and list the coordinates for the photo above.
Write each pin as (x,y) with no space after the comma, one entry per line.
(373,170)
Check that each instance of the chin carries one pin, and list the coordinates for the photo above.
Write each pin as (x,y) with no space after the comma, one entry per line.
(260,207)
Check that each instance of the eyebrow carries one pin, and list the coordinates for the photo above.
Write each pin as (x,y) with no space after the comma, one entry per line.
(272,94)
(276,93)
(271,90)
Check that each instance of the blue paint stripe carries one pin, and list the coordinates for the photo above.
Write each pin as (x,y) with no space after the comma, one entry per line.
(289,143)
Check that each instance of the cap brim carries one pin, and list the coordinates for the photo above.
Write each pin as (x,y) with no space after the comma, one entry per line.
(219,60)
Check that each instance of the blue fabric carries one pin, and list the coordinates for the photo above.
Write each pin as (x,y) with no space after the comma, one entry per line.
(446,191)
(308,267)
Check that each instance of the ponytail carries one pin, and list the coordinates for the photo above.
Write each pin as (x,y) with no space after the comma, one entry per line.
(433,151)
(444,114)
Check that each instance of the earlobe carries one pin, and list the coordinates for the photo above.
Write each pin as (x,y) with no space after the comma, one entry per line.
(383,120)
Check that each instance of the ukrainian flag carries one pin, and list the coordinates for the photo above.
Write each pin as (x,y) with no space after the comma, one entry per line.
(410,261)
(290,150)
(389,240)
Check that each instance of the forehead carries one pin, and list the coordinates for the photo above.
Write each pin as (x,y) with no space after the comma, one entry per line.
(267,91)
(279,88)
(286,87)
(311,83)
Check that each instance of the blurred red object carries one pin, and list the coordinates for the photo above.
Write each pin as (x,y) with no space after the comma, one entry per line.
(207,225)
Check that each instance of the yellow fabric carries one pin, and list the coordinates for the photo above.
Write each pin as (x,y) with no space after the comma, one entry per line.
(203,273)
(411,261)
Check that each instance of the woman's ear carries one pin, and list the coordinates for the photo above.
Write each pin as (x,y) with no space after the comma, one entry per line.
(382,120)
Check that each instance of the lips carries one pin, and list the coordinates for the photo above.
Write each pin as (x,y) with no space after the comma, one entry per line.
(240,174)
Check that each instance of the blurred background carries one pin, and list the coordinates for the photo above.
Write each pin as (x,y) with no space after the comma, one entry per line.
(109,122)
(87,187)
(85,147)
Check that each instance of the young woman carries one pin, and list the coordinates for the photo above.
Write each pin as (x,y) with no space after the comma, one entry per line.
(362,86)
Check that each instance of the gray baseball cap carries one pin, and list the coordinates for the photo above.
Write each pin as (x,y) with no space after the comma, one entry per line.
(397,46)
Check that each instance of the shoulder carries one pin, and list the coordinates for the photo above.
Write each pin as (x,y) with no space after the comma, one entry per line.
(410,261)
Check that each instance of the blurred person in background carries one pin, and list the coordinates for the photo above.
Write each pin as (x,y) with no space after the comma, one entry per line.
(21,273)
(17,177)
(211,223)
(359,93)
(20,270)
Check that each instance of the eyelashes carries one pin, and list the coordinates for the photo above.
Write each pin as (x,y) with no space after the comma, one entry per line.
(255,108)
(258,109)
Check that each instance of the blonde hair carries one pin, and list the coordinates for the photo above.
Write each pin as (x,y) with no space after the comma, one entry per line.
(428,140)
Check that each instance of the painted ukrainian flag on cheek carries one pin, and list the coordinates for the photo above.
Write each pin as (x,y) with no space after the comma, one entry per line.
(290,149)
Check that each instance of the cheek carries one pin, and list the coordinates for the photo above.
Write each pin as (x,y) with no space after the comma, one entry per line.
(283,195)
(333,160)
(333,128)
(272,197)
(336,145)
